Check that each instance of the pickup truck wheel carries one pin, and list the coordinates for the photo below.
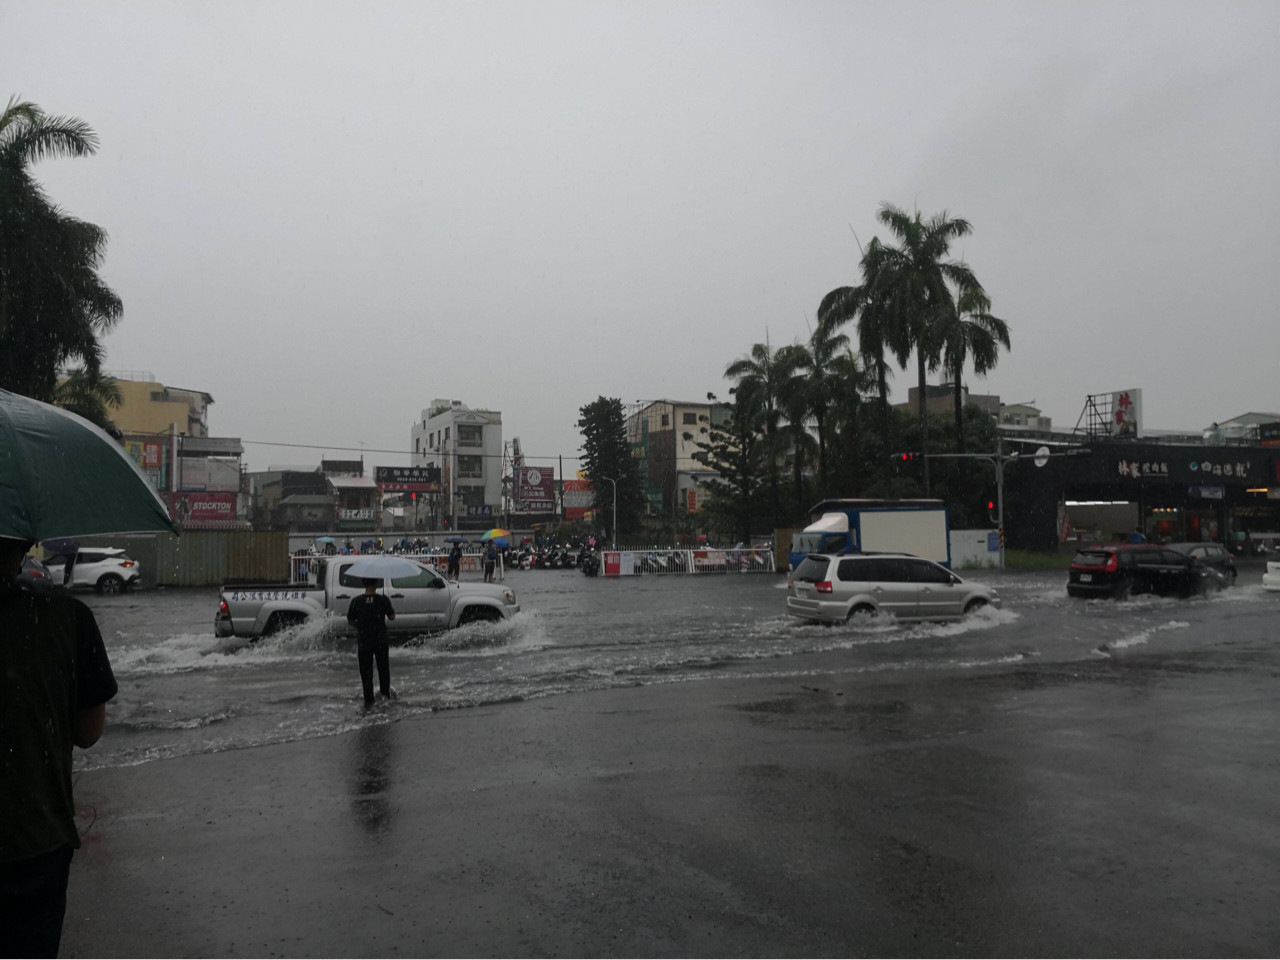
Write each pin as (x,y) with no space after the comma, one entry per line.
(479,615)
(110,583)
(281,621)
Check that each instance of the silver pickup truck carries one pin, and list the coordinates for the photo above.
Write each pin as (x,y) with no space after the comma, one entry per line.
(424,603)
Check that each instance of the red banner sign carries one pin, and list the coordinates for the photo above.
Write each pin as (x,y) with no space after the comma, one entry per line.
(184,507)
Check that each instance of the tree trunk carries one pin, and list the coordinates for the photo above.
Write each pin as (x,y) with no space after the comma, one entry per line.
(959,416)
(924,424)
(885,466)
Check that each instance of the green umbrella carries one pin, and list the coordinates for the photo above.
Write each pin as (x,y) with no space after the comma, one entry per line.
(61,476)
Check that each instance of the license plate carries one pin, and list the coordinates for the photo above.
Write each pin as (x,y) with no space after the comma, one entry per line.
(1086,577)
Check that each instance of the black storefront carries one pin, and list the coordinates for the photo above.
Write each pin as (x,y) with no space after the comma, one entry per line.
(1182,491)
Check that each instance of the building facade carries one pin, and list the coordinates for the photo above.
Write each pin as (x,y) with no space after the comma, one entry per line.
(466,446)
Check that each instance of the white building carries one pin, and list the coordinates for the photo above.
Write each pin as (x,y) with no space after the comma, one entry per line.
(466,445)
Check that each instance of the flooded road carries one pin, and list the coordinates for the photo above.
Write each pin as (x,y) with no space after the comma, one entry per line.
(183,691)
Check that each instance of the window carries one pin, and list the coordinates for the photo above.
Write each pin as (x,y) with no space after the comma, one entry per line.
(469,435)
(422,579)
(416,442)
(666,420)
(890,570)
(922,571)
(689,418)
(471,467)
(854,570)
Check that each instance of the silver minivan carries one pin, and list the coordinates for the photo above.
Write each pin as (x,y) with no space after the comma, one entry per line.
(832,588)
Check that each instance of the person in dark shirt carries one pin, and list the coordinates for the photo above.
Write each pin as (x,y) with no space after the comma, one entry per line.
(55,681)
(455,562)
(369,613)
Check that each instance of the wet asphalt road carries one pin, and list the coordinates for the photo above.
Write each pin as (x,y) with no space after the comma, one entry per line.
(1118,799)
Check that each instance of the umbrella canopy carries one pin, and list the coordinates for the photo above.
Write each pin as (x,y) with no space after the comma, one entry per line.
(494,533)
(383,567)
(501,542)
(61,476)
(325,540)
(456,540)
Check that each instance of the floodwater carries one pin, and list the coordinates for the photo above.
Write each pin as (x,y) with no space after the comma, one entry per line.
(184,691)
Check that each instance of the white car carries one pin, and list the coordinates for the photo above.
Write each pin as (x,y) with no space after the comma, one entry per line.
(1271,579)
(832,588)
(106,569)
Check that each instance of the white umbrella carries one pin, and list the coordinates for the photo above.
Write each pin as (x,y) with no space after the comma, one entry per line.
(382,567)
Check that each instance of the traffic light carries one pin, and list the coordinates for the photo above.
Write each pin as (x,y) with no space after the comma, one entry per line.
(903,456)
(413,496)
(991,512)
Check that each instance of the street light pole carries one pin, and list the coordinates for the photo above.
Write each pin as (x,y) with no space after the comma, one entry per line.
(614,531)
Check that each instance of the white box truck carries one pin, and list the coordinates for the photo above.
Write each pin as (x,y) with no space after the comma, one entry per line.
(921,527)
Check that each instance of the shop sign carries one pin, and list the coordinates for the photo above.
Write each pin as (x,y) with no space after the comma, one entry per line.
(355,513)
(1269,434)
(146,453)
(535,489)
(479,510)
(1192,469)
(407,479)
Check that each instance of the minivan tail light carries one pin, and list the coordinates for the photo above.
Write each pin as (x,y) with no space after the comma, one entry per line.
(1112,564)
(823,586)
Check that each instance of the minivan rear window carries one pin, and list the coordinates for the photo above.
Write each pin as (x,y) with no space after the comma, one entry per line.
(1091,558)
(812,569)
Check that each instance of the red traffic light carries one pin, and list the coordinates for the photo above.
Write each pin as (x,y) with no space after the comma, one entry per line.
(991,504)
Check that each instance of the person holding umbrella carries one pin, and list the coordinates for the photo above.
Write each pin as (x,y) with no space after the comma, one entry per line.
(60,476)
(369,613)
(455,561)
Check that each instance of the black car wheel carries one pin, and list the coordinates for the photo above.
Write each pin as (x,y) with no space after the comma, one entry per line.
(110,583)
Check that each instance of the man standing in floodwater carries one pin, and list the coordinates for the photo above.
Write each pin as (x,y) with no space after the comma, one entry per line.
(55,681)
(369,613)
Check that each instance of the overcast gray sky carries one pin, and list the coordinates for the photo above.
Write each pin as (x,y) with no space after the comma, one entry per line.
(327,214)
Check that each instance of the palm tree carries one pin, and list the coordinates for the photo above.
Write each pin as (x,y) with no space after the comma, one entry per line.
(879,336)
(970,332)
(760,375)
(53,305)
(918,283)
(853,379)
(795,397)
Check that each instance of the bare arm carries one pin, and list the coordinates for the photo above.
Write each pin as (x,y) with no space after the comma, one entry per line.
(89,726)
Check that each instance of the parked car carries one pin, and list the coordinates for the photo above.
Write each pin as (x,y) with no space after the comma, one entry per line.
(1211,555)
(1119,570)
(35,575)
(831,588)
(106,569)
(1271,579)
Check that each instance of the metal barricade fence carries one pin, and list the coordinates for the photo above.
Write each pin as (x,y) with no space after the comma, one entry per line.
(640,561)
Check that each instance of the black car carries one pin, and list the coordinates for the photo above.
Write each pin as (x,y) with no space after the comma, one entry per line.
(1211,555)
(1119,570)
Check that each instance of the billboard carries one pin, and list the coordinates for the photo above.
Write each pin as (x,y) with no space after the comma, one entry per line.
(196,505)
(1126,413)
(146,453)
(407,479)
(535,490)
(578,497)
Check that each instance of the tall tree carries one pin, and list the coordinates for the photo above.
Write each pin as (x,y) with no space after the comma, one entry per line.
(970,333)
(606,456)
(852,379)
(760,376)
(53,305)
(795,395)
(919,280)
(730,443)
(879,336)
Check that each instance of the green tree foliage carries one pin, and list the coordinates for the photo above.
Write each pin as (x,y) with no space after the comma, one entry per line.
(970,333)
(606,453)
(759,376)
(917,279)
(54,308)
(731,443)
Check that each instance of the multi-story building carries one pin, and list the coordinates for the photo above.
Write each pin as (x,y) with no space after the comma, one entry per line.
(664,436)
(166,430)
(466,445)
